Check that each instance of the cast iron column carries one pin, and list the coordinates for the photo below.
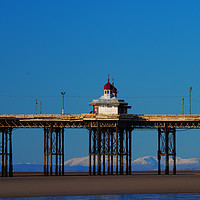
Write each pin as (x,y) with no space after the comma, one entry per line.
(121,152)
(108,153)
(98,151)
(45,151)
(130,152)
(174,151)
(94,152)
(166,131)
(59,149)
(112,153)
(104,158)
(126,152)
(10,153)
(159,156)
(57,131)
(116,151)
(89,151)
(6,154)
(3,154)
(51,145)
(63,150)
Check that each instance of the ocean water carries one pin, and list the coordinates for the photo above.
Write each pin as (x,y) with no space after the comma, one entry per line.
(117,197)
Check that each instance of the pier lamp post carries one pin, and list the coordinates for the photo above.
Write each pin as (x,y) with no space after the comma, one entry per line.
(36,106)
(182,106)
(40,107)
(63,96)
(190,100)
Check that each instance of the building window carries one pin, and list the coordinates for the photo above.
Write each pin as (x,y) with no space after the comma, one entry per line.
(107,92)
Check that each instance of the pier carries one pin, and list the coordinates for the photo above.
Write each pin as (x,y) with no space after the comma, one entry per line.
(109,139)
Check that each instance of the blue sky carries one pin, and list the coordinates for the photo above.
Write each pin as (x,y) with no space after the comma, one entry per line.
(150,48)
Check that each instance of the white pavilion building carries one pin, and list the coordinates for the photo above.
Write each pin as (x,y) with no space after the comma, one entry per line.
(109,103)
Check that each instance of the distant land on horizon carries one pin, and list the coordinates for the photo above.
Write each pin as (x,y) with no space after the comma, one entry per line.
(147,163)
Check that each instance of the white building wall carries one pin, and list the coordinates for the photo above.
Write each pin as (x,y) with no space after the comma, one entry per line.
(108,110)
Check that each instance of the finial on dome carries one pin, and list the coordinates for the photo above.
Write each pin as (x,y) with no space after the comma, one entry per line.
(108,78)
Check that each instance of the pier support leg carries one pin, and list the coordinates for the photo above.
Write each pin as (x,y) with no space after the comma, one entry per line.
(127,153)
(116,151)
(130,144)
(104,152)
(108,151)
(90,152)
(121,151)
(105,143)
(112,152)
(174,151)
(56,170)
(45,159)
(62,152)
(166,151)
(2,154)
(53,150)
(59,150)
(166,148)
(159,153)
(98,151)
(94,151)
(6,152)
(10,153)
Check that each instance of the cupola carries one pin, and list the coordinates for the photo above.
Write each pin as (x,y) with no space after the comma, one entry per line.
(109,104)
(108,89)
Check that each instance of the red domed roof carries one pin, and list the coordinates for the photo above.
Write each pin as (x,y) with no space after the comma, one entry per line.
(108,86)
(114,90)
(111,87)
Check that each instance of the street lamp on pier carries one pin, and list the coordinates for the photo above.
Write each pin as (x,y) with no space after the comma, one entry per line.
(190,97)
(36,106)
(63,96)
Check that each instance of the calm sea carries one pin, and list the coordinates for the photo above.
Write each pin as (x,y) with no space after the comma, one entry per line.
(121,197)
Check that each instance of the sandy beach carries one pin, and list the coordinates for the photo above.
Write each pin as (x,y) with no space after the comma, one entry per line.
(35,184)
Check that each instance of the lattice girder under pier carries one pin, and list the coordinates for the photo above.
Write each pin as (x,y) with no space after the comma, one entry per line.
(109,146)
(166,148)
(6,152)
(53,150)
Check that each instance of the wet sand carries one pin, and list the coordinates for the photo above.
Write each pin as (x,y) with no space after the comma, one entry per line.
(35,184)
